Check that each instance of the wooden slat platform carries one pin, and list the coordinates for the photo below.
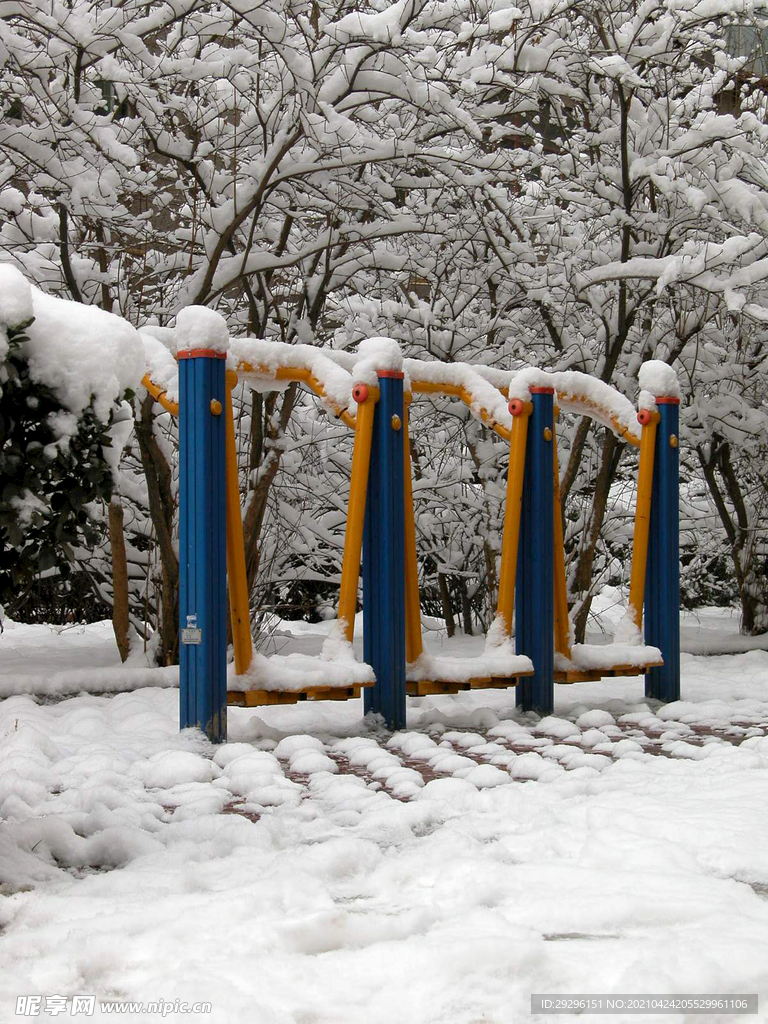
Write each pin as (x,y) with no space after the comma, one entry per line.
(427,687)
(593,675)
(259,698)
(423,687)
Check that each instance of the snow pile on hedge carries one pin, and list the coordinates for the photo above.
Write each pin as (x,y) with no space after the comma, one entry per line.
(80,352)
(15,303)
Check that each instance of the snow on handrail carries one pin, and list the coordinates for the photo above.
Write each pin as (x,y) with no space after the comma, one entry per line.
(482,388)
(302,375)
(587,406)
(462,381)
(332,374)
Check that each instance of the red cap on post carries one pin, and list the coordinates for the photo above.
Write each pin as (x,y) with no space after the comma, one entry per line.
(516,407)
(201,353)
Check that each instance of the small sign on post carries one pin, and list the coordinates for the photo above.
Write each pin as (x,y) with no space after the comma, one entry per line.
(190,634)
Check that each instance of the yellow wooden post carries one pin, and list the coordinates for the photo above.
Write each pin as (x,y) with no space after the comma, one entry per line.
(649,421)
(510,539)
(367,397)
(562,644)
(413,641)
(236,577)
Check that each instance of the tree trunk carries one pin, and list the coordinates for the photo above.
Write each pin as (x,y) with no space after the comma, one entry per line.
(754,610)
(265,462)
(445,601)
(161,509)
(120,613)
(466,607)
(489,555)
(582,584)
(739,528)
(574,460)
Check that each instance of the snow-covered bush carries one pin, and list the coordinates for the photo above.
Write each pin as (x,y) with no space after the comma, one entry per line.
(52,467)
(64,371)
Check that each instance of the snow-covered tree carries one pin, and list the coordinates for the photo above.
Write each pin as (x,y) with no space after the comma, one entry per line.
(229,155)
(574,184)
(632,227)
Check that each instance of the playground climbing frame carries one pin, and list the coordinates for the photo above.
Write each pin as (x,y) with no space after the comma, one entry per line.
(381,533)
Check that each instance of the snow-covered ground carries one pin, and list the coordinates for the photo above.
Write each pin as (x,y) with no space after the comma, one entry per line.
(316,870)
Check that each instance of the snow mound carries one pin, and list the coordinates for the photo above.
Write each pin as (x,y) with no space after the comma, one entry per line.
(658,379)
(15,302)
(81,353)
(200,327)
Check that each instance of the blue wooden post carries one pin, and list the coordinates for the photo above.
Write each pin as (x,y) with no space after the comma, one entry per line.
(534,588)
(662,578)
(384,558)
(202,544)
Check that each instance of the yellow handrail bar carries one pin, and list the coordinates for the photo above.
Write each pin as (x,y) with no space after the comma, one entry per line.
(160,395)
(428,387)
(302,375)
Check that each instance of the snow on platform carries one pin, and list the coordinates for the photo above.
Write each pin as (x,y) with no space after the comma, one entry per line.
(589,662)
(598,656)
(33,659)
(458,668)
(293,672)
